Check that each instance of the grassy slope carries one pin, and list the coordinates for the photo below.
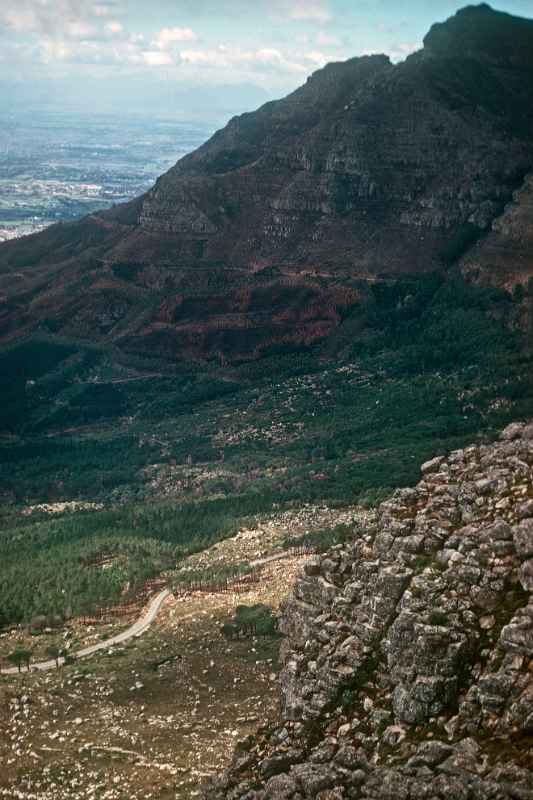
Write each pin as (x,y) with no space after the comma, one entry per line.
(428,366)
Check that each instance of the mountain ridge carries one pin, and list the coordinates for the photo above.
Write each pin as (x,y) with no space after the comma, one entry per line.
(267,234)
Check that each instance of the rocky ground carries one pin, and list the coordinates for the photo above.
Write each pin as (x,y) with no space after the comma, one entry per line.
(268,536)
(71,636)
(157,717)
(151,719)
(408,664)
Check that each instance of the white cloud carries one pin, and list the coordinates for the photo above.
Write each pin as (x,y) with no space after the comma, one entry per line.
(307,10)
(66,31)
(114,27)
(317,58)
(396,52)
(269,55)
(224,57)
(156,58)
(23,20)
(310,10)
(401,51)
(106,8)
(55,51)
(327,40)
(95,36)
(56,24)
(170,36)
(76,29)
(45,16)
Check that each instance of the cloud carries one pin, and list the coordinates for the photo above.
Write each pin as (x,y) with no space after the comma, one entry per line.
(52,18)
(67,31)
(77,29)
(265,65)
(55,51)
(398,52)
(170,36)
(114,27)
(327,40)
(304,10)
(106,9)
(316,58)
(309,10)
(156,58)
(225,57)
(97,37)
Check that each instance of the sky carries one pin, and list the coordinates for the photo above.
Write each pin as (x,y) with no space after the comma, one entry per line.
(264,48)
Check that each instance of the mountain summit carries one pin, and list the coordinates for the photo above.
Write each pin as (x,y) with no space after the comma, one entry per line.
(480,32)
(268,234)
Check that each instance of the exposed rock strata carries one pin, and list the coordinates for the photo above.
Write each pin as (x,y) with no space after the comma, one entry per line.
(408,663)
(509,245)
(264,236)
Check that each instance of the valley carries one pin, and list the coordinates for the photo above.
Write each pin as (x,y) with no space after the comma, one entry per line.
(265,450)
(172,461)
(59,165)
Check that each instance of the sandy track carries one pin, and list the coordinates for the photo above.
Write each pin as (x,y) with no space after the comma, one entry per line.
(137,629)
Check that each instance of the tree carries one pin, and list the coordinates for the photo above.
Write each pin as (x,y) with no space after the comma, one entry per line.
(519,293)
(38,624)
(19,657)
(229,630)
(256,620)
(56,653)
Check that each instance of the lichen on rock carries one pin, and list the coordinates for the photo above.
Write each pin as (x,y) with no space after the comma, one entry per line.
(408,659)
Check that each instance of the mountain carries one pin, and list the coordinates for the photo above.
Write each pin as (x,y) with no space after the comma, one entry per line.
(271,233)
(330,292)
(407,663)
(327,292)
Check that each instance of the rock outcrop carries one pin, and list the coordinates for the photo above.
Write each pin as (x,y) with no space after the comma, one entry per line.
(408,662)
(265,236)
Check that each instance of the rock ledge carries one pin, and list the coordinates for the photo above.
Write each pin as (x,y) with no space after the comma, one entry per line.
(408,662)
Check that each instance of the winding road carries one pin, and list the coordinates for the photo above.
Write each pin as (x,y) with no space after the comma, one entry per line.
(137,629)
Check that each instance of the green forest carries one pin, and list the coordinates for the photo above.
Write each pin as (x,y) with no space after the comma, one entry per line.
(183,458)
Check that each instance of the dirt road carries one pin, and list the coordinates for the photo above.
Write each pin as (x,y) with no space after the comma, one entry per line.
(137,629)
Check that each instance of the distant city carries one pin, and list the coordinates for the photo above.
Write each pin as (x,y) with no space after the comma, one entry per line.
(57,166)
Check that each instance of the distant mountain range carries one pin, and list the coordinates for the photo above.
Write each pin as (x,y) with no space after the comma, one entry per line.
(122,96)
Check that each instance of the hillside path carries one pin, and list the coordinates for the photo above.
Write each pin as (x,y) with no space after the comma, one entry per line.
(260,562)
(137,629)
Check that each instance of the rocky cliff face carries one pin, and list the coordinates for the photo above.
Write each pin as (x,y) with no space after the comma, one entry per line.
(408,663)
(412,151)
(369,171)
